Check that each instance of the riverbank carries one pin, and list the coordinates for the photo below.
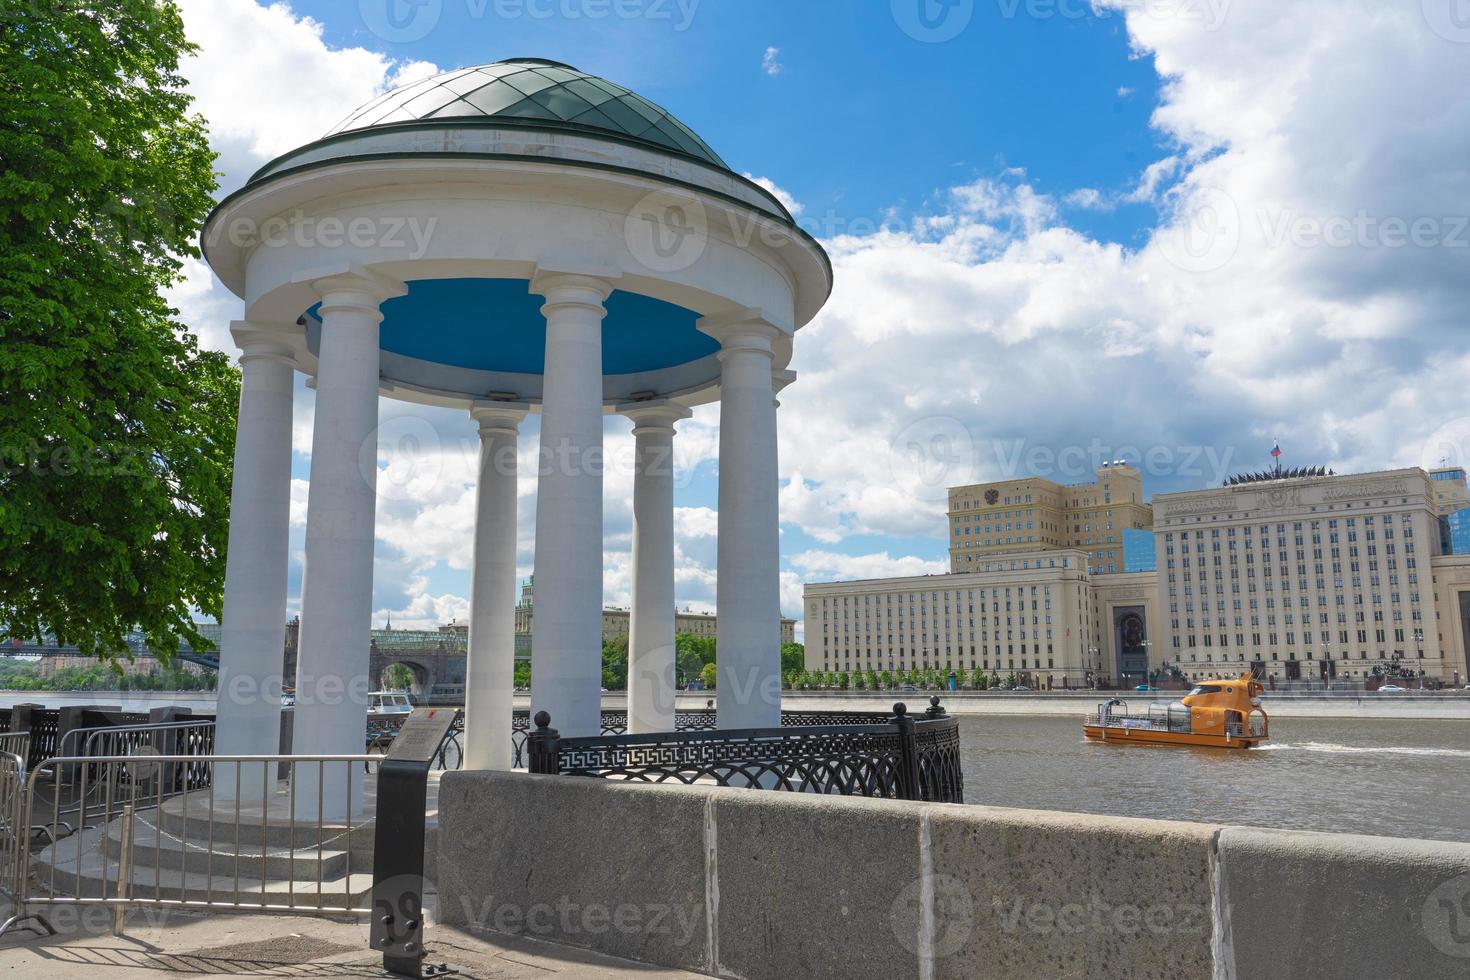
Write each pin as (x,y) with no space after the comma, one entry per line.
(1439,707)
(1445,706)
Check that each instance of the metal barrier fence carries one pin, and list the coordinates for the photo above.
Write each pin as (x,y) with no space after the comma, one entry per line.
(897,757)
(144,840)
(615,722)
(193,739)
(16,743)
(191,736)
(13,836)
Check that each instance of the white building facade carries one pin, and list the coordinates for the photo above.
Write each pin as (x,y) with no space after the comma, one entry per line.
(1028,614)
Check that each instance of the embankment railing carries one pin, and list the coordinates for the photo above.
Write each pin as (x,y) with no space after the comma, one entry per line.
(893,756)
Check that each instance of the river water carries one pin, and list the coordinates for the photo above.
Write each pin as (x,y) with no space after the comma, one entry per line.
(1393,778)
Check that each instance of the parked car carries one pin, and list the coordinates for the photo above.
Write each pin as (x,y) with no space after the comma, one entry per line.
(1147,688)
(909,688)
(1392,689)
(1020,687)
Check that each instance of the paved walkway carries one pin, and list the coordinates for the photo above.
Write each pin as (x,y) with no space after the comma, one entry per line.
(280,946)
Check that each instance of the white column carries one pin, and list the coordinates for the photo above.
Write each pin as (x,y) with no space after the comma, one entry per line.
(490,672)
(651,630)
(566,647)
(252,646)
(748,688)
(332,683)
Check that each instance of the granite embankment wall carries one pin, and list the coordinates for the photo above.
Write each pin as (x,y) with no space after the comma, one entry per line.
(739,883)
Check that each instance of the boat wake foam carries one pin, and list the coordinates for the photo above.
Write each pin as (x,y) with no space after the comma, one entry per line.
(1363,749)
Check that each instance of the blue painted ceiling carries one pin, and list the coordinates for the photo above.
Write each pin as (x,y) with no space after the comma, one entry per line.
(496,325)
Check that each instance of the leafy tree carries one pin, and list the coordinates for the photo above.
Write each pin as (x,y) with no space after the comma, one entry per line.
(615,663)
(709,674)
(523,673)
(844,681)
(116,431)
(793,657)
(691,653)
(397,677)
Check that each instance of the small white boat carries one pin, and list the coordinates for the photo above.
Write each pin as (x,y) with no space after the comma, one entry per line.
(391,703)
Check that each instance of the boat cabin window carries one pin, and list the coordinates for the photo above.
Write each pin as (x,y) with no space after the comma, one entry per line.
(1205,689)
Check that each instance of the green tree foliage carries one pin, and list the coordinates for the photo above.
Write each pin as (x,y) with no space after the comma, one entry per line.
(111,676)
(793,658)
(116,431)
(396,677)
(691,653)
(615,663)
(709,674)
(523,673)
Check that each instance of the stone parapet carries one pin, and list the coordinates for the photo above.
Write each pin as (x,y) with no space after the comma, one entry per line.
(740,883)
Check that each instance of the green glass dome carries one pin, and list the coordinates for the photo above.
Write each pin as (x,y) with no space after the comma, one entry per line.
(532,91)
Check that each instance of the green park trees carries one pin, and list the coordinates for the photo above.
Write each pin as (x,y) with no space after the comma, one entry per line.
(116,430)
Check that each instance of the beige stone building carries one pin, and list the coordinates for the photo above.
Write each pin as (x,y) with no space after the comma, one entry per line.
(1347,571)
(1450,491)
(1310,574)
(1028,613)
(615,622)
(1033,514)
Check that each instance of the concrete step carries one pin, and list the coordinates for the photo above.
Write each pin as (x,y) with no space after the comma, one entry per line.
(85,866)
(221,857)
(196,817)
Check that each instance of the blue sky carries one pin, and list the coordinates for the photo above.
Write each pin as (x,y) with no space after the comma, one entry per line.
(896,118)
(1012,197)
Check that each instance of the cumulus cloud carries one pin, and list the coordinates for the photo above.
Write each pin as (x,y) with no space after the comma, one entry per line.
(781,194)
(1306,280)
(771,62)
(1282,292)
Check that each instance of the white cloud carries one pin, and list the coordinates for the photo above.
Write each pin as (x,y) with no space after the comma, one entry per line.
(771,62)
(267,82)
(990,327)
(994,317)
(833,566)
(790,203)
(1088,199)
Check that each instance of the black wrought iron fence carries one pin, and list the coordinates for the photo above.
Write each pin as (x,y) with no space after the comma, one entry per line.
(615,722)
(894,756)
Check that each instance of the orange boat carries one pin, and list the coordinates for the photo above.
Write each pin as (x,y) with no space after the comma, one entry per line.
(1222,714)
